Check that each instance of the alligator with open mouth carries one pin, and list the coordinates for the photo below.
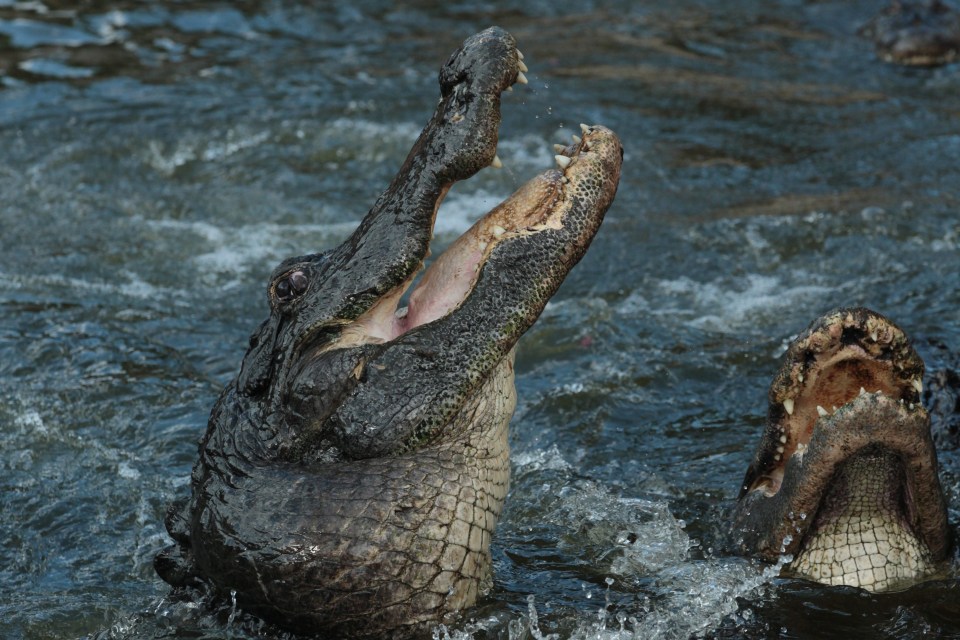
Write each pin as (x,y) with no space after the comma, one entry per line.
(351,475)
(845,478)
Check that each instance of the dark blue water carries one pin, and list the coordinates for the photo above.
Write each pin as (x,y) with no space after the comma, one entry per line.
(157,159)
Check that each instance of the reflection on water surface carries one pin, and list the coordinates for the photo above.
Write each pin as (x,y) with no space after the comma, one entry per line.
(158,159)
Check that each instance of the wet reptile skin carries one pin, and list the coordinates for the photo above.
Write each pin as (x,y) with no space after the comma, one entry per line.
(407,538)
(351,476)
(845,477)
(862,538)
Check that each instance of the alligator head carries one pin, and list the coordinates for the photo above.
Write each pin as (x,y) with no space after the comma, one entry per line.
(921,33)
(845,477)
(351,476)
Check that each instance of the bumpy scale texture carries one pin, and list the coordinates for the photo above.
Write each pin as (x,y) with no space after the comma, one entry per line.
(859,537)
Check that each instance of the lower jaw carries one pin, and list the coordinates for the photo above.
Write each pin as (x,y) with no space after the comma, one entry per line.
(860,536)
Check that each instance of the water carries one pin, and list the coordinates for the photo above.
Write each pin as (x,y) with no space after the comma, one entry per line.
(157,159)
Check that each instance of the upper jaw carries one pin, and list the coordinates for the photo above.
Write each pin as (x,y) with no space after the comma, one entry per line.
(568,202)
(500,275)
(389,246)
(850,382)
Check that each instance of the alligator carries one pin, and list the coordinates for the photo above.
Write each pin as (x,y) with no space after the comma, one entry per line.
(845,478)
(922,33)
(351,475)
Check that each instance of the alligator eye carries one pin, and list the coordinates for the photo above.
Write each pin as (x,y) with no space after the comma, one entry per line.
(293,285)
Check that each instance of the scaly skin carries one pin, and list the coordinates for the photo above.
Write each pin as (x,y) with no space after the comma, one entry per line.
(920,33)
(845,477)
(351,476)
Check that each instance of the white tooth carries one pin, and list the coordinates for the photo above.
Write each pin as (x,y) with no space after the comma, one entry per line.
(783,438)
(498,231)
(563,161)
(833,409)
(779,449)
(862,391)
(559,148)
(799,377)
(911,406)
(584,128)
(821,411)
(788,405)
(873,336)
(496,164)
(510,89)
(519,55)
(482,246)
(917,384)
(522,66)
(522,79)
(577,139)
(777,457)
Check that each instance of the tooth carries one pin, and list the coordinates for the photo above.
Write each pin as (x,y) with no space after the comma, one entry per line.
(559,148)
(482,246)
(777,457)
(917,384)
(799,377)
(873,336)
(911,406)
(577,139)
(783,438)
(498,231)
(779,449)
(510,89)
(522,79)
(519,55)
(584,128)
(862,391)
(563,161)
(522,66)
(821,411)
(788,405)
(496,164)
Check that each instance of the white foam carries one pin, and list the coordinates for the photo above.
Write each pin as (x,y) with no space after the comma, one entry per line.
(459,211)
(30,420)
(135,287)
(540,459)
(124,470)
(234,250)
(724,305)
(212,149)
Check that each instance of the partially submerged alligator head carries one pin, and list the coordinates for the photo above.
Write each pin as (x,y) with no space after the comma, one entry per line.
(845,477)
(919,33)
(351,476)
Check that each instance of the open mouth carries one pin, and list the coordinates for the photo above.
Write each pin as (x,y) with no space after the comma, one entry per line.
(827,370)
(540,206)
(846,473)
